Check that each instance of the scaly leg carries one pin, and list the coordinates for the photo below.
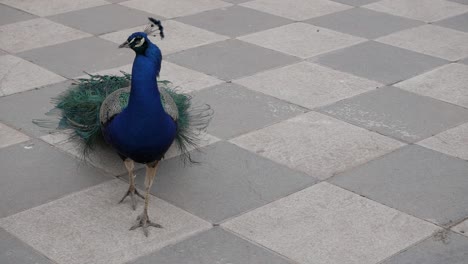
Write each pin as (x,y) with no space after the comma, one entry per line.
(143,219)
(130,165)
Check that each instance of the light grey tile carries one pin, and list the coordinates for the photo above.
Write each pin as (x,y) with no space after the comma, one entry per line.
(9,136)
(34,173)
(451,142)
(103,19)
(298,9)
(10,15)
(326,224)
(28,106)
(458,22)
(447,83)
(445,247)
(239,110)
(399,114)
(462,228)
(355,2)
(178,36)
(67,59)
(230,59)
(227,181)
(301,39)
(424,10)
(316,144)
(36,33)
(188,80)
(364,22)
(175,8)
(13,251)
(234,21)
(236,1)
(92,227)
(18,75)
(432,40)
(376,61)
(415,180)
(52,7)
(213,246)
(307,84)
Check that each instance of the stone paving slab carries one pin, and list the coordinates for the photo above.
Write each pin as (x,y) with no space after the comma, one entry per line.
(240,110)
(451,142)
(303,92)
(34,173)
(316,144)
(91,227)
(14,251)
(38,103)
(9,136)
(399,114)
(227,182)
(448,248)
(409,178)
(376,61)
(326,224)
(213,246)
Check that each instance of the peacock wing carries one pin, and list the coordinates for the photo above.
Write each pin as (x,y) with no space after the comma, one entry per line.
(168,103)
(114,104)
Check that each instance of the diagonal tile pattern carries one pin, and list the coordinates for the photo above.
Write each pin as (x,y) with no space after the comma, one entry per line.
(303,92)
(326,224)
(317,145)
(399,114)
(301,40)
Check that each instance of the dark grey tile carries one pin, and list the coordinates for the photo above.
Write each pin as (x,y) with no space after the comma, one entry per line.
(10,15)
(70,59)
(384,63)
(13,251)
(230,59)
(103,19)
(228,181)
(355,2)
(418,181)
(234,21)
(399,114)
(443,248)
(458,22)
(213,246)
(22,108)
(364,22)
(34,173)
(239,110)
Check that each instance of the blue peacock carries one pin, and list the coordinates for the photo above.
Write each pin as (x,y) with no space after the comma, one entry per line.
(139,116)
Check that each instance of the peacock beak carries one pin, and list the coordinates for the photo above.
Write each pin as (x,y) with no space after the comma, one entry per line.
(126,44)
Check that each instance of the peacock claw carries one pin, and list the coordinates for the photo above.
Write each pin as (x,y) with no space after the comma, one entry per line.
(144,222)
(132,192)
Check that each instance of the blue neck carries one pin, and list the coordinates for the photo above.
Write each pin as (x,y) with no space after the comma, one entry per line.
(144,95)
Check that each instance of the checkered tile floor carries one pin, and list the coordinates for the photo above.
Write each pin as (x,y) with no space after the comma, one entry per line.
(340,134)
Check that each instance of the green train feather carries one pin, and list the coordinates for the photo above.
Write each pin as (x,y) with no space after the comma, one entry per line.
(78,109)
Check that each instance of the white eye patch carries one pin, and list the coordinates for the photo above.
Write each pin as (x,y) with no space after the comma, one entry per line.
(131,41)
(141,43)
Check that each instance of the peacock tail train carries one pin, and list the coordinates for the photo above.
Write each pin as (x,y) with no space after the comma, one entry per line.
(79,109)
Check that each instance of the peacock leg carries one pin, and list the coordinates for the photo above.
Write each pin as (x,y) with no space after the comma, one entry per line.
(132,191)
(143,219)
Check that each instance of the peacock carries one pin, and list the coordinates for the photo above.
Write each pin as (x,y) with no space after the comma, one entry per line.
(137,115)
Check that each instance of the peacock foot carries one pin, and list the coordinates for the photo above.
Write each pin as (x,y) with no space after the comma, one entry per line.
(132,192)
(144,222)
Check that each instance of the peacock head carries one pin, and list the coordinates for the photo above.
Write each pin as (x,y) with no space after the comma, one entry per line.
(139,41)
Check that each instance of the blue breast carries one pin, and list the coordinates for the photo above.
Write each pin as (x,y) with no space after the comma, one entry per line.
(143,131)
